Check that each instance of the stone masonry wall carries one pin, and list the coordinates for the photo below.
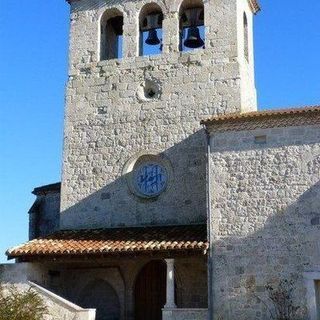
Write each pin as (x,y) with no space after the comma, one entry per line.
(109,122)
(44,215)
(265,216)
(185,314)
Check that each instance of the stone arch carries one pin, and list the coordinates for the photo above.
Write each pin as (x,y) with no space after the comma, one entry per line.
(191,19)
(100,295)
(148,7)
(150,28)
(111,34)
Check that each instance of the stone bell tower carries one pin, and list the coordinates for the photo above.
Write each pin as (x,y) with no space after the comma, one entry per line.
(134,152)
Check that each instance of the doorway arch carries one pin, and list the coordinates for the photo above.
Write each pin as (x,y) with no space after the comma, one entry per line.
(100,295)
(150,291)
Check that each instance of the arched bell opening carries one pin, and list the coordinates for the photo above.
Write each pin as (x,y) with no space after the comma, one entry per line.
(111,35)
(150,27)
(191,25)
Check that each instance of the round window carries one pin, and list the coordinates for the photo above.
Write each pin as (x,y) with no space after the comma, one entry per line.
(150,179)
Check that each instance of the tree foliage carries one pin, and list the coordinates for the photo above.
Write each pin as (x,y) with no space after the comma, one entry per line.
(17,305)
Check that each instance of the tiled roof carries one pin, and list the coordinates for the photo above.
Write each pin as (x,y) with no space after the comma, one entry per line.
(264,119)
(258,114)
(115,241)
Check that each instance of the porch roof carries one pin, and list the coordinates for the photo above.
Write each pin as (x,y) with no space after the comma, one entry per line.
(117,241)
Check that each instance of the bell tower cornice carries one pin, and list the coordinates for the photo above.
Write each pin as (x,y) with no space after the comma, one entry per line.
(254,4)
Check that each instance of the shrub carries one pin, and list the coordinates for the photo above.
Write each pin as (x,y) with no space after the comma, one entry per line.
(281,301)
(16,305)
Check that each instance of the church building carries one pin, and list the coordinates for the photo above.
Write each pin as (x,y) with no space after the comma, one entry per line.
(178,199)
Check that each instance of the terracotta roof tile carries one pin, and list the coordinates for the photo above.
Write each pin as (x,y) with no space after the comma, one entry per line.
(118,240)
(263,119)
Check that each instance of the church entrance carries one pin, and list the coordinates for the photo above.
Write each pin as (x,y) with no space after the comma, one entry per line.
(150,291)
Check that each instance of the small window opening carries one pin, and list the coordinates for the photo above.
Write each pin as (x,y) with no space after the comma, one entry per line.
(151,34)
(246,37)
(150,93)
(149,89)
(111,37)
(192,29)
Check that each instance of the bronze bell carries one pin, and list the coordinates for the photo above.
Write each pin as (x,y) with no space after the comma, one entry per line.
(193,38)
(152,39)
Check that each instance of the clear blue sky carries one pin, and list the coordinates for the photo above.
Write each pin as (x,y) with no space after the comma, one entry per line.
(33,64)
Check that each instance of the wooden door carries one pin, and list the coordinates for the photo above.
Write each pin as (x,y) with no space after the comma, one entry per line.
(150,291)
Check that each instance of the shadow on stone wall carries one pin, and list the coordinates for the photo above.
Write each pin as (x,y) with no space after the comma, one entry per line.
(283,245)
(114,205)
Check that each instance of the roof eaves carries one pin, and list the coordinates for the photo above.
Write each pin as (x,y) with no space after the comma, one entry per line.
(115,241)
(231,117)
(42,190)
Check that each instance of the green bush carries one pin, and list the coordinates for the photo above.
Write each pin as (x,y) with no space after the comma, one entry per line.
(16,305)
